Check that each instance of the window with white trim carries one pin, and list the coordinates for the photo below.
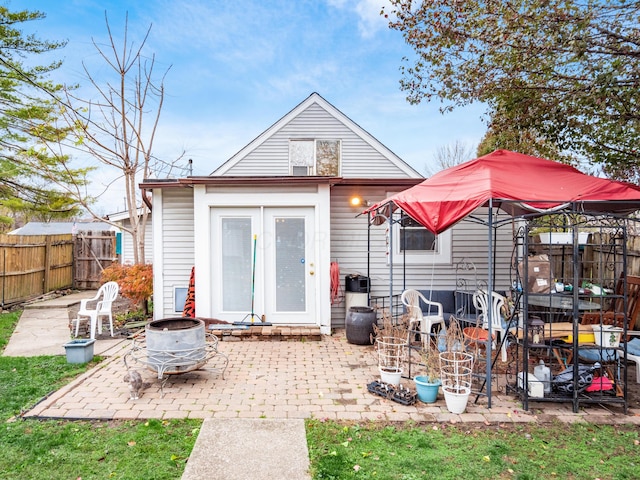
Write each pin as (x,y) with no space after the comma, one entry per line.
(414,244)
(319,157)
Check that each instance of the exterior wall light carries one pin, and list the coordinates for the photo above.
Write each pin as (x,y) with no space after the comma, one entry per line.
(357,201)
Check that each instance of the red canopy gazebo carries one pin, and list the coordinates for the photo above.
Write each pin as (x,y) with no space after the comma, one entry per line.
(520,185)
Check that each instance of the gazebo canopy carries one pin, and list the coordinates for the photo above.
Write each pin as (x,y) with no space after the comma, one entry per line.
(516,183)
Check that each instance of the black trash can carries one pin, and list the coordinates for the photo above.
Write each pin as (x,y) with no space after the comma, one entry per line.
(359,325)
(356,283)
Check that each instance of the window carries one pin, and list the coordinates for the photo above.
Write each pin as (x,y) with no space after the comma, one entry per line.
(414,244)
(314,157)
(415,238)
(179,298)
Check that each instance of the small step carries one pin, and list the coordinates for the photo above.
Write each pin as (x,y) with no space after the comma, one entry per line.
(265,333)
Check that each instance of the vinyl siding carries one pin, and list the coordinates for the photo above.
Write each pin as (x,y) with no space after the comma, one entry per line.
(349,249)
(177,243)
(359,158)
(127,243)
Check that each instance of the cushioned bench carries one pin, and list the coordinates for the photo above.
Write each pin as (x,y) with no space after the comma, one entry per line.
(454,302)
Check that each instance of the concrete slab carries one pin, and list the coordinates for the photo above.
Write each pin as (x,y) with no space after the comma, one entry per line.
(43,329)
(39,332)
(244,449)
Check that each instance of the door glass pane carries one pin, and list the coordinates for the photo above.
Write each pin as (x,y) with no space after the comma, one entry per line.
(236,264)
(290,268)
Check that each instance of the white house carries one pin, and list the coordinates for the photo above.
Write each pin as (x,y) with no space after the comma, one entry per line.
(265,227)
(126,240)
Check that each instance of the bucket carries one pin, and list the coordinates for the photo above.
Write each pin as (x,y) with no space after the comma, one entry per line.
(359,325)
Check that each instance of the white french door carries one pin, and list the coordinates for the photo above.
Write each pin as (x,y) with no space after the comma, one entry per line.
(263,264)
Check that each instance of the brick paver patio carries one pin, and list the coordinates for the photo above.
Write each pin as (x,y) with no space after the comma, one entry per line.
(286,379)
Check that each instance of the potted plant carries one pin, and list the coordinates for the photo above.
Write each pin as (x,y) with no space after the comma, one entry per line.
(558,229)
(391,347)
(428,381)
(456,367)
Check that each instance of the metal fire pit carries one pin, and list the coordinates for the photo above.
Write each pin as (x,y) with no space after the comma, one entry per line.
(172,346)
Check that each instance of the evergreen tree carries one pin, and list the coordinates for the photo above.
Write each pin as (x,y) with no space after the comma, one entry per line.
(28,122)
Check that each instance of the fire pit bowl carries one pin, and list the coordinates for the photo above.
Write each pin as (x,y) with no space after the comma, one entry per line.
(175,345)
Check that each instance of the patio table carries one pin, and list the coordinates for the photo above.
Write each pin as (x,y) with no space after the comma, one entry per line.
(560,302)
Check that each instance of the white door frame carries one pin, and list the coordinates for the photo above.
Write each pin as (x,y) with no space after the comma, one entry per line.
(317,198)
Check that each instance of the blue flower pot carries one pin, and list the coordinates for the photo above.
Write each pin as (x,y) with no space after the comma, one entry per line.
(427,390)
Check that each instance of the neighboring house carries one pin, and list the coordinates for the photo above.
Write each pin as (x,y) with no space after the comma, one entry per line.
(126,240)
(288,194)
(60,228)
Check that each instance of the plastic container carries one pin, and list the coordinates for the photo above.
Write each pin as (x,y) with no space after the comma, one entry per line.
(357,283)
(543,373)
(79,350)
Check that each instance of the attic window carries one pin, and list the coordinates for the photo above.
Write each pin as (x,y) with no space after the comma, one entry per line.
(314,157)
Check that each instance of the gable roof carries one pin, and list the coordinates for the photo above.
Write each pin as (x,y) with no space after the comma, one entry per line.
(316,99)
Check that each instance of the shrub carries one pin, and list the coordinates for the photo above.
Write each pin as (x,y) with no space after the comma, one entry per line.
(135,281)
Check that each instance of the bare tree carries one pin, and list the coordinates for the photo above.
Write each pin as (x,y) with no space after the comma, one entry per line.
(119,127)
(450,155)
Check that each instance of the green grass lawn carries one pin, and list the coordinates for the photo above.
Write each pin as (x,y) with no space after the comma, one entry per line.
(56,449)
(446,451)
(156,449)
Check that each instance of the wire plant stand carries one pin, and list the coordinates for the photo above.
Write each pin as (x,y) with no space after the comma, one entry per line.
(174,362)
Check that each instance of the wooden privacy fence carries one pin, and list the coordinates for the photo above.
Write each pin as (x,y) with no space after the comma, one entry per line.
(32,265)
(93,252)
(600,258)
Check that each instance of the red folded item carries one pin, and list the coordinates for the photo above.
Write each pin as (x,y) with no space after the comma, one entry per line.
(600,384)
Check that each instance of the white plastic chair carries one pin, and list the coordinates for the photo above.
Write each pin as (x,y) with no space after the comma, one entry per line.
(635,358)
(108,292)
(498,330)
(411,300)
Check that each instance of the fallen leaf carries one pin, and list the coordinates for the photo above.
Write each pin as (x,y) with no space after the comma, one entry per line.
(131,443)
(486,458)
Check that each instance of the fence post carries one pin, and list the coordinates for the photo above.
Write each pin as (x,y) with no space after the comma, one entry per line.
(47,264)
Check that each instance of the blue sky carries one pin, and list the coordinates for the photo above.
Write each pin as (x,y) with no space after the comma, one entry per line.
(237,66)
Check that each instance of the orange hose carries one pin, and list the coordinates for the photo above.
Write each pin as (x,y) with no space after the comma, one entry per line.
(336,285)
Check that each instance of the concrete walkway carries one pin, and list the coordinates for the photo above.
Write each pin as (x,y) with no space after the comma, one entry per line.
(43,328)
(284,382)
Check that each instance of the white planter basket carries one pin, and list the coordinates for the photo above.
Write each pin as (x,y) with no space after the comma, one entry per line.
(607,336)
(562,238)
(391,352)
